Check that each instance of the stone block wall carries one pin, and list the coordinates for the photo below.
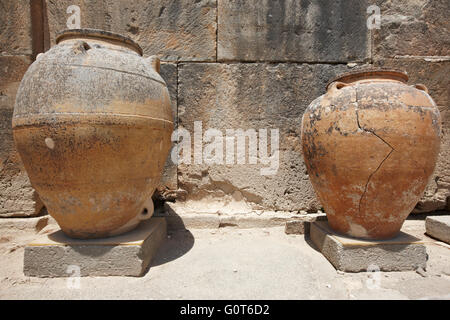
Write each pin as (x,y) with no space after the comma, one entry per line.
(17,197)
(414,36)
(240,64)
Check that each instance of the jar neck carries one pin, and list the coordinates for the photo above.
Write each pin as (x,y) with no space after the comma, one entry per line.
(101,37)
(371,76)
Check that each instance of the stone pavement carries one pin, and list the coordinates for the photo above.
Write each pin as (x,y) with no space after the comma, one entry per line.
(230,263)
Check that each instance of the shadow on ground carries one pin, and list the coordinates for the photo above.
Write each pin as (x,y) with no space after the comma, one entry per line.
(179,241)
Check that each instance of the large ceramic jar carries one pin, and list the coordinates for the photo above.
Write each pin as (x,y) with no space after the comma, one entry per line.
(92,124)
(370,144)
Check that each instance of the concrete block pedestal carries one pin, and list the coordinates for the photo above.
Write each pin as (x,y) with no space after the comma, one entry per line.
(438,227)
(129,254)
(404,252)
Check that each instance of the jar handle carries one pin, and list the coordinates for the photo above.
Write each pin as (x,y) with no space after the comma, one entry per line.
(421,87)
(337,85)
(154,62)
(147,211)
(80,46)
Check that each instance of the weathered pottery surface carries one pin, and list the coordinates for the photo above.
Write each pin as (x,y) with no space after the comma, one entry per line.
(92,123)
(370,145)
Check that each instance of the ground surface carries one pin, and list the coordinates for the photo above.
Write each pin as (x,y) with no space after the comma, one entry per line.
(230,263)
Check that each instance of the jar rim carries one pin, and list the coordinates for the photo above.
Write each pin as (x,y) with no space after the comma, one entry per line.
(352,76)
(98,34)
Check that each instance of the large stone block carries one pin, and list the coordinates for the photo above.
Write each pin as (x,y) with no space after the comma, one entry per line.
(17,197)
(250,96)
(173,29)
(12,69)
(169,73)
(12,227)
(15,27)
(293,30)
(412,28)
(168,183)
(433,74)
(437,192)
(182,215)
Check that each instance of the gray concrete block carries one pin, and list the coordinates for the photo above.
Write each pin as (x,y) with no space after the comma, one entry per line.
(129,254)
(404,252)
(438,227)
